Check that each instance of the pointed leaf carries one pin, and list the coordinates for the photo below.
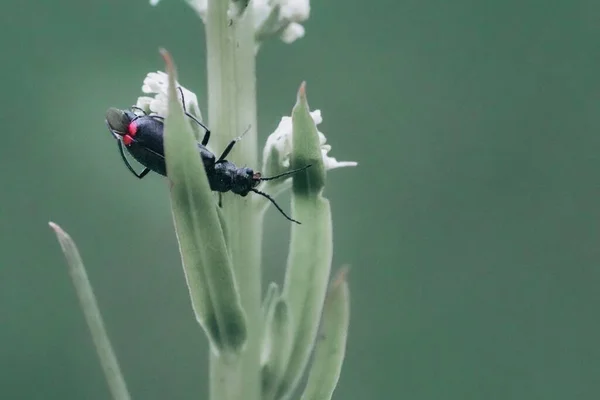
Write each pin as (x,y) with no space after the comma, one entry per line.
(311,247)
(331,344)
(276,347)
(206,261)
(91,311)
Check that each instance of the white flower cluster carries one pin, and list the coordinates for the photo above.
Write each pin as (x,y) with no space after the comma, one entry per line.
(280,17)
(157,83)
(271,17)
(281,142)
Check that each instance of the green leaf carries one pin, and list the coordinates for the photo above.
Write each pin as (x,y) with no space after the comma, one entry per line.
(276,346)
(331,344)
(306,150)
(206,262)
(87,301)
(272,295)
(311,247)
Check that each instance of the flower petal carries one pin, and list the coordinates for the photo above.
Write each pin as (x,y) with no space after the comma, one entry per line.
(295,10)
(157,83)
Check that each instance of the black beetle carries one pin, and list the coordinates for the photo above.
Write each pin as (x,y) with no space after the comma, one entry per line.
(142,136)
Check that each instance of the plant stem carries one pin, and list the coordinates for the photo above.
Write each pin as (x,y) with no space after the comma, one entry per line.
(231,111)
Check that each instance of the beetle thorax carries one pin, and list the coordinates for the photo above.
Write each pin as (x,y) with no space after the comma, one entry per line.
(228,176)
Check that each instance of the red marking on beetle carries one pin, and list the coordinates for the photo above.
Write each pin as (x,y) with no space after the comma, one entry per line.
(132,129)
(127,140)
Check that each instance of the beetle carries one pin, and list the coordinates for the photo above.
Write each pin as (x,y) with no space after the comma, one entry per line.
(143,136)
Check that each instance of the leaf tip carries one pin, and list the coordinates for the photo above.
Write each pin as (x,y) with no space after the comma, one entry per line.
(341,276)
(302,92)
(57,229)
(169,64)
(338,283)
(165,55)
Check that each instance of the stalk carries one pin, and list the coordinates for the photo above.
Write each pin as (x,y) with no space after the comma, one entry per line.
(232,111)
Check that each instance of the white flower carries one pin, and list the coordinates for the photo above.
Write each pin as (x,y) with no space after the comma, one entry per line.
(292,32)
(271,17)
(294,10)
(157,83)
(279,144)
(280,17)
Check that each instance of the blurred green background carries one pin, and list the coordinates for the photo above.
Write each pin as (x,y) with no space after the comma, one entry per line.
(471,224)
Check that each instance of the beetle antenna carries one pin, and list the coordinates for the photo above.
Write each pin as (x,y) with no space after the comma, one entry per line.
(246,131)
(294,171)
(275,204)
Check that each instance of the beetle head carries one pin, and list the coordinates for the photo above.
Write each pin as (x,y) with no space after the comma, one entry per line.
(118,121)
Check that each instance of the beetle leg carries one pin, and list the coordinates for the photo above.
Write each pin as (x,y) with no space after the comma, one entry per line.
(139,109)
(141,174)
(230,146)
(207,134)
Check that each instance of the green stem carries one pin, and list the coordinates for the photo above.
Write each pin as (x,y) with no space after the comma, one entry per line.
(231,111)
